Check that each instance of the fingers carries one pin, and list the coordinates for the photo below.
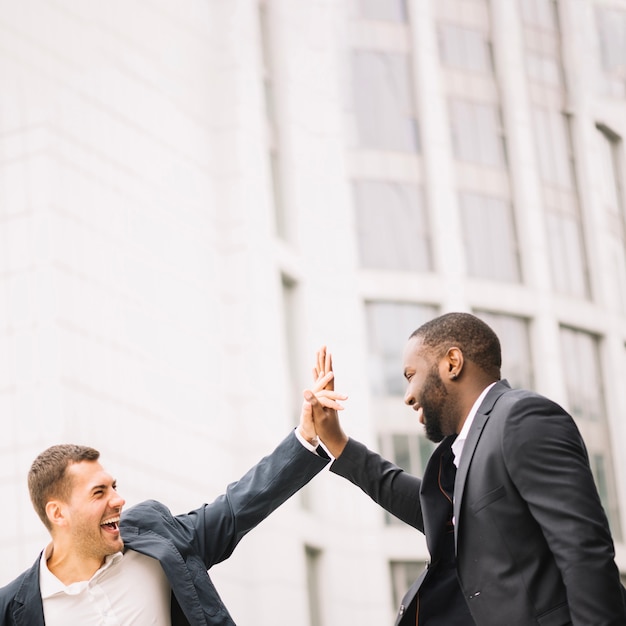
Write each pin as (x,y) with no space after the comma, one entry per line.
(325,397)
(323,382)
(323,366)
(329,399)
(307,425)
(321,359)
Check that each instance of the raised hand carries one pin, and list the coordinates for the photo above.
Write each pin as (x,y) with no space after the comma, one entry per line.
(323,388)
(323,405)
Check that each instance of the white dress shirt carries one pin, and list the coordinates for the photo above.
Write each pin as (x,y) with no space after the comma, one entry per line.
(459,442)
(129,588)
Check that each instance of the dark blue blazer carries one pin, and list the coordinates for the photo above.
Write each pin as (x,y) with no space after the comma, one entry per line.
(188,545)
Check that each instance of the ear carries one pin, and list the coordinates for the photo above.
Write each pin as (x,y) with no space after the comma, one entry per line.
(453,362)
(56,511)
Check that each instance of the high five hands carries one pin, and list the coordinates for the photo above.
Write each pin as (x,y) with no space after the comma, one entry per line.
(320,406)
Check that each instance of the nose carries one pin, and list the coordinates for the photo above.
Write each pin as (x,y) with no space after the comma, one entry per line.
(408,398)
(117,502)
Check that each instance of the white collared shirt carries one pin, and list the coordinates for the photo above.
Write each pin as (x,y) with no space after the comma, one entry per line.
(459,442)
(129,588)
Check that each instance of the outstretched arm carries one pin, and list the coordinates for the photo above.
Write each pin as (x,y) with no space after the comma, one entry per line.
(388,485)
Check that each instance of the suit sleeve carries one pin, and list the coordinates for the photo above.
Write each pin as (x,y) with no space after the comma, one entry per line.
(548,463)
(217,528)
(388,485)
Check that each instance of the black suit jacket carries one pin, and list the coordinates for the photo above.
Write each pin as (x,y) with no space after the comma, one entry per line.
(533,544)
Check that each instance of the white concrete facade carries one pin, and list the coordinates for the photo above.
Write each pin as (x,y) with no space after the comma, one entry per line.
(150,307)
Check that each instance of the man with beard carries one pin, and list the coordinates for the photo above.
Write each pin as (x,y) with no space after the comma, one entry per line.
(519,536)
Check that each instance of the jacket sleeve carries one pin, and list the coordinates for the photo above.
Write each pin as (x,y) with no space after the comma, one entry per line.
(217,528)
(388,485)
(547,461)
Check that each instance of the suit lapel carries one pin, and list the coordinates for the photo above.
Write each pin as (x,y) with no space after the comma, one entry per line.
(28,607)
(482,415)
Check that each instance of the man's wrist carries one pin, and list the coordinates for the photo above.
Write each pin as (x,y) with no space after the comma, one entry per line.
(308,442)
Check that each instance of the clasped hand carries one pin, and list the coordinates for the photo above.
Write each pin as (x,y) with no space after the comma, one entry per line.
(319,416)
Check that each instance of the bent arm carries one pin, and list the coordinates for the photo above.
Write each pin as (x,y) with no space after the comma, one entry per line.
(388,485)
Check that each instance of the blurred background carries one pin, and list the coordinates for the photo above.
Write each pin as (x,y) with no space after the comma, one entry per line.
(195,196)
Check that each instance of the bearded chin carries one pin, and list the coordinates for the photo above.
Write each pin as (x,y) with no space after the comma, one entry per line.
(433,429)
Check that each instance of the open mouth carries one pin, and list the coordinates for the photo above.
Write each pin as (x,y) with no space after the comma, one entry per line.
(111,524)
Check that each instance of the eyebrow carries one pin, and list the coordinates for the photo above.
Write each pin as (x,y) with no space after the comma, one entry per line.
(96,487)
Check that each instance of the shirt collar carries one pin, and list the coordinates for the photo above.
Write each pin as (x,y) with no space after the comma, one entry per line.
(50,585)
(459,442)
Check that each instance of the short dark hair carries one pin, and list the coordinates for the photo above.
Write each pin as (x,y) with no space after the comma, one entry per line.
(48,479)
(478,342)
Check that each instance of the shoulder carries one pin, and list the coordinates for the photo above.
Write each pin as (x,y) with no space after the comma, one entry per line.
(145,514)
(25,586)
(514,404)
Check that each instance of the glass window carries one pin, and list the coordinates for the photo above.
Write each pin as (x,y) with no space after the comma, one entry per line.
(583,376)
(389,325)
(513,333)
(289,302)
(464,48)
(403,575)
(477,134)
(612,43)
(386,10)
(313,558)
(567,255)
(553,147)
(610,192)
(581,362)
(601,475)
(540,14)
(612,35)
(383,101)
(392,226)
(543,69)
(410,451)
(490,238)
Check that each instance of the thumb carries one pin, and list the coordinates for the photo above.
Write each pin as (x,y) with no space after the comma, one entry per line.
(309,396)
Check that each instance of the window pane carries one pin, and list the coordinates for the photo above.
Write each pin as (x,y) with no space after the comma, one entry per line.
(612,35)
(543,69)
(541,14)
(389,325)
(490,239)
(602,477)
(403,574)
(392,226)
(313,558)
(464,48)
(383,102)
(553,147)
(566,254)
(476,133)
(388,10)
(582,372)
(610,190)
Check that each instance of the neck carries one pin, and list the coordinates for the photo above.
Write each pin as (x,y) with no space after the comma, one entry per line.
(470,398)
(69,566)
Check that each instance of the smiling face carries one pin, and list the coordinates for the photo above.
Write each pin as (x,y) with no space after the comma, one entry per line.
(426,392)
(92,512)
